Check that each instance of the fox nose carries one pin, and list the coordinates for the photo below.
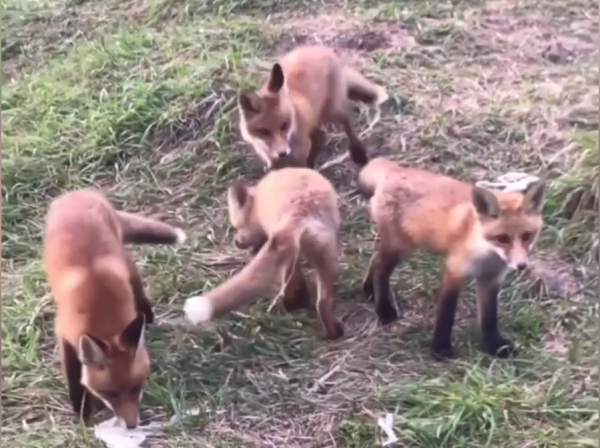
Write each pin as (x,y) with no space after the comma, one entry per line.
(131,425)
(521,266)
(283,152)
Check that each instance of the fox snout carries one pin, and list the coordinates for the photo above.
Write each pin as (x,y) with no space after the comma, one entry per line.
(130,415)
(517,258)
(519,264)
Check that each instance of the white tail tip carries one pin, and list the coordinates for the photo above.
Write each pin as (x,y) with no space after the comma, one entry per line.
(180,236)
(198,309)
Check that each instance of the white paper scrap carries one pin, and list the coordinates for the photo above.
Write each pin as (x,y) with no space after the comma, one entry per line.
(509,182)
(387,426)
(115,434)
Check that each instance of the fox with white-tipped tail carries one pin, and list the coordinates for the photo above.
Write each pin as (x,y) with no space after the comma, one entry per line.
(290,213)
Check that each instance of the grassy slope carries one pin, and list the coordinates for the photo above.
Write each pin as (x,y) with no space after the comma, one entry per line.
(136,99)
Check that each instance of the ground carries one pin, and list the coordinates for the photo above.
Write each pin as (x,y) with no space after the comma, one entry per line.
(138,99)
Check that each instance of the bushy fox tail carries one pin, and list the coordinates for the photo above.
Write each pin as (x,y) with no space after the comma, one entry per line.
(363,90)
(247,285)
(139,229)
(371,175)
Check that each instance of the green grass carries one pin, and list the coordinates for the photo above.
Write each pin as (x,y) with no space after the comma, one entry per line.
(138,99)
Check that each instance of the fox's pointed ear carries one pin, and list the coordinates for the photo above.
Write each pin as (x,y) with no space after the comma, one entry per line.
(238,197)
(134,334)
(533,200)
(485,202)
(91,351)
(249,102)
(276,79)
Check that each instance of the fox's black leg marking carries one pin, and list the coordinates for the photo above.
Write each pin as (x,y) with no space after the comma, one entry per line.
(445,314)
(296,294)
(142,301)
(81,402)
(493,341)
(382,266)
(317,143)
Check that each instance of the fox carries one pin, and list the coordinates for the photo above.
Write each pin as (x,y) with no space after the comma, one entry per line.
(307,88)
(481,233)
(102,308)
(289,213)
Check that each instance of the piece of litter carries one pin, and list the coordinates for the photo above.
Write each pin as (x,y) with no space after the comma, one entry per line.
(387,425)
(115,435)
(509,182)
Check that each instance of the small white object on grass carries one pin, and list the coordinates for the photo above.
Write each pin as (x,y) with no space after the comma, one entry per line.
(115,435)
(509,182)
(198,309)
(387,426)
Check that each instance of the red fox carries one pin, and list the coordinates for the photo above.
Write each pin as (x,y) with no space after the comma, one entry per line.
(102,308)
(307,88)
(290,212)
(480,232)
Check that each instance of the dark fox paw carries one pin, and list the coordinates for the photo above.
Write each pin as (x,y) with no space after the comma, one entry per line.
(368,289)
(500,347)
(334,333)
(442,352)
(386,312)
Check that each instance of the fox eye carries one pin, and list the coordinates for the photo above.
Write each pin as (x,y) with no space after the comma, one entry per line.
(503,238)
(526,236)
(263,132)
(285,126)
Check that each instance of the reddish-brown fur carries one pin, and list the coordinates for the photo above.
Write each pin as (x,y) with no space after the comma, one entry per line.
(307,88)
(289,213)
(101,305)
(480,233)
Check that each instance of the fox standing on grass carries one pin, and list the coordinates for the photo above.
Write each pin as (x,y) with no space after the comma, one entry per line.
(480,232)
(102,308)
(290,212)
(307,88)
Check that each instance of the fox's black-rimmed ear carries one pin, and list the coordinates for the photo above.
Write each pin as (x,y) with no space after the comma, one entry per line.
(238,198)
(134,334)
(276,79)
(249,102)
(485,202)
(91,351)
(534,194)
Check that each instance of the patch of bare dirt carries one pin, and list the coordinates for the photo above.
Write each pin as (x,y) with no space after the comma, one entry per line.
(345,34)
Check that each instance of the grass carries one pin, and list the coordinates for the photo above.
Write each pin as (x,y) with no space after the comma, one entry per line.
(138,99)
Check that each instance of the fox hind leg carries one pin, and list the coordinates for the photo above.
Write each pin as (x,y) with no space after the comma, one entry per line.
(358,153)
(325,259)
(295,294)
(317,144)
(142,301)
(377,282)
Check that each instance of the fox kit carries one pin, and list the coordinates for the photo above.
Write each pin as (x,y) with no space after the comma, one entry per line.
(481,233)
(290,212)
(102,308)
(307,88)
